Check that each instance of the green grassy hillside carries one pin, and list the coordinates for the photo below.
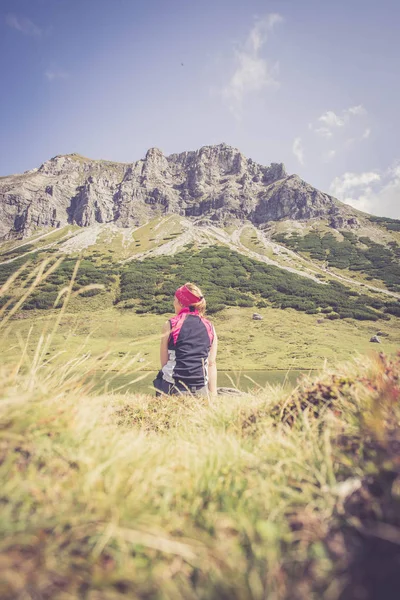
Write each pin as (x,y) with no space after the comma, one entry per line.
(357,254)
(122,299)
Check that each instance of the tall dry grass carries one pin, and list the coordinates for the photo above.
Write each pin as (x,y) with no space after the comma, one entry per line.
(108,496)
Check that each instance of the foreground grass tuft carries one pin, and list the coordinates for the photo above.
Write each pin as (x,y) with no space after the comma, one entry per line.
(118,496)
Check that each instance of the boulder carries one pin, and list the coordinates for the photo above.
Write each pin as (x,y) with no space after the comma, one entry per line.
(227,391)
(375,339)
(257,317)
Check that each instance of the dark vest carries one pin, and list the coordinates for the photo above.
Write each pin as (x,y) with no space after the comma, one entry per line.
(189,345)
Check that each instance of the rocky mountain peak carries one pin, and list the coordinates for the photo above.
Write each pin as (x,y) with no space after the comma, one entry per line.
(54,165)
(222,157)
(154,154)
(215,182)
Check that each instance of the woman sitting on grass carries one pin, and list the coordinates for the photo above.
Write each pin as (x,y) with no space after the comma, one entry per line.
(188,348)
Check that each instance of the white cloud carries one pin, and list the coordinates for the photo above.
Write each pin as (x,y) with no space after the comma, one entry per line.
(355,189)
(331,119)
(351,181)
(259,34)
(366,134)
(52,74)
(298,150)
(252,72)
(387,200)
(23,25)
(357,110)
(370,191)
(324,132)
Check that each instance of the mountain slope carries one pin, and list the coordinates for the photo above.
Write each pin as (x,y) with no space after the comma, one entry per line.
(215,183)
(240,269)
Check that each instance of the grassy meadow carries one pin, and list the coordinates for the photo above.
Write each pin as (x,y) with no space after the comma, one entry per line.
(283,340)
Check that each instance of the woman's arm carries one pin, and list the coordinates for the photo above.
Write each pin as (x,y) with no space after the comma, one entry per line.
(164,343)
(212,366)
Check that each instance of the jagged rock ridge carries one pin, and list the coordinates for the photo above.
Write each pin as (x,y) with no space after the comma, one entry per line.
(215,182)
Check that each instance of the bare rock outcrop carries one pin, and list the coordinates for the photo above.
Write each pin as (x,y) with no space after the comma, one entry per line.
(216,183)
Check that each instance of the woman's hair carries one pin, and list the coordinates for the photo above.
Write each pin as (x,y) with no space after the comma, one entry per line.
(201,305)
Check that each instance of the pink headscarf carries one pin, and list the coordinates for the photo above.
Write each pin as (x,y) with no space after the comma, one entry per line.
(185,296)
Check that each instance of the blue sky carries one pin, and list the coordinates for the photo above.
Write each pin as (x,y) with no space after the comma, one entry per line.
(310,83)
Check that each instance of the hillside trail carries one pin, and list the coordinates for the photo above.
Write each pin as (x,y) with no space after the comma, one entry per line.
(209,235)
(67,236)
(361,284)
(274,247)
(320,269)
(76,241)
(34,239)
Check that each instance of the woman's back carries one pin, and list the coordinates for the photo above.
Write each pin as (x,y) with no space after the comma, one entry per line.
(188,347)
(190,340)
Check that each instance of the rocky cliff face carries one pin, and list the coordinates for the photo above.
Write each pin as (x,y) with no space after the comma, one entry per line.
(215,182)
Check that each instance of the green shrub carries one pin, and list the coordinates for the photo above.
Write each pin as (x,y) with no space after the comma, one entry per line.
(41,301)
(362,315)
(390,224)
(346,314)
(230,279)
(393,310)
(89,293)
(364,255)
(4,299)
